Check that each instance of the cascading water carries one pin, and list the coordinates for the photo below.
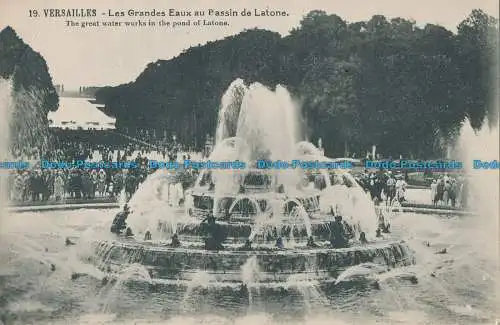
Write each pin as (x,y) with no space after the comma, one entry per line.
(150,203)
(483,193)
(353,203)
(481,145)
(274,276)
(260,109)
(250,275)
(134,272)
(228,149)
(229,110)
(198,280)
(5,111)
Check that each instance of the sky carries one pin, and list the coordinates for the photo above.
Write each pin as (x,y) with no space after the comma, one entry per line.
(99,56)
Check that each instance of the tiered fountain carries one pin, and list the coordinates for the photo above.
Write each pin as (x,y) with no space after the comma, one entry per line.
(277,222)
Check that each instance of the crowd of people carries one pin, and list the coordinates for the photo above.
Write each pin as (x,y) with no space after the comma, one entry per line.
(384,186)
(51,184)
(69,150)
(37,184)
(449,191)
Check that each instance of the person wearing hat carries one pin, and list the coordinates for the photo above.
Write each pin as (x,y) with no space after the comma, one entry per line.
(26,179)
(376,188)
(101,182)
(18,186)
(87,185)
(453,192)
(433,191)
(400,188)
(390,188)
(94,179)
(440,190)
(130,184)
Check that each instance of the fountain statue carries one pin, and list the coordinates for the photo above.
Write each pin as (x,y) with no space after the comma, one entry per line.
(283,221)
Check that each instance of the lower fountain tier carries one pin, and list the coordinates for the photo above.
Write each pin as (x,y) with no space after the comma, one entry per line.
(273,265)
(291,297)
(267,233)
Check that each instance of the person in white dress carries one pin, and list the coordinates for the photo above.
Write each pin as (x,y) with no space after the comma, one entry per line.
(101,182)
(59,186)
(400,189)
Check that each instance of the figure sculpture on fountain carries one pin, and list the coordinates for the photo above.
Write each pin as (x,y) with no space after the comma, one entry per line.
(214,235)
(120,221)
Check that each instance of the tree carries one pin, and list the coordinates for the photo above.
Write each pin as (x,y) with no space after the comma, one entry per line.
(34,92)
(329,95)
(477,44)
(383,82)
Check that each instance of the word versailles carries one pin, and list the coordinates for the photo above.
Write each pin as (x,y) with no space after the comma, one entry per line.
(69,12)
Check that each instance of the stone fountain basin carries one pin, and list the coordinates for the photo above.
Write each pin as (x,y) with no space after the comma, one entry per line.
(274,265)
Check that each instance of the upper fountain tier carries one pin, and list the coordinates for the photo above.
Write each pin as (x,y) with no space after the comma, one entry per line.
(256,123)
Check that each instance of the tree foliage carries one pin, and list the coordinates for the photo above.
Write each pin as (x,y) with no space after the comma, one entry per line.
(27,68)
(383,82)
(33,91)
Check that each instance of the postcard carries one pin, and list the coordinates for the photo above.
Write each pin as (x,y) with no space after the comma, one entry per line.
(245,162)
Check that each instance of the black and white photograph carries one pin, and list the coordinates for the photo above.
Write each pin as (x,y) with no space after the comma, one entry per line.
(241,162)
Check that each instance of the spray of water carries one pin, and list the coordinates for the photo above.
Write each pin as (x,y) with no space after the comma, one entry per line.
(260,109)
(483,188)
(481,145)
(228,149)
(6,112)
(354,204)
(229,110)
(30,134)
(23,129)
(150,203)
